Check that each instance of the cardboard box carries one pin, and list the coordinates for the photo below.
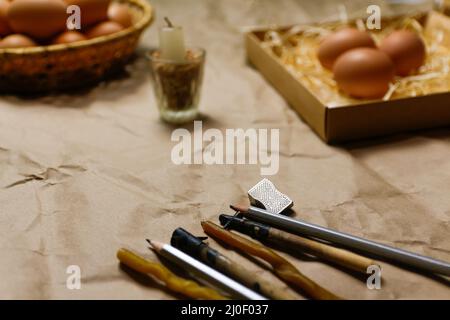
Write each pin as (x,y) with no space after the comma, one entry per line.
(444,6)
(355,121)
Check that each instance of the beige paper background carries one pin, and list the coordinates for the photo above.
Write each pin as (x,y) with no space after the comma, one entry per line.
(83,175)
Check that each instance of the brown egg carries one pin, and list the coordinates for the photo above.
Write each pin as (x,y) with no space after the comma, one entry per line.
(364,72)
(92,11)
(103,29)
(120,13)
(16,41)
(40,19)
(5,29)
(69,37)
(406,50)
(338,42)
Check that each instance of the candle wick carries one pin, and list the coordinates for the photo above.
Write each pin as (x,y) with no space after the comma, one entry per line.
(169,23)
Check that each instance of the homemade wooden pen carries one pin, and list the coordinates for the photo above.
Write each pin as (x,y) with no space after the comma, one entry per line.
(195,247)
(321,250)
(203,273)
(173,282)
(372,248)
(280,266)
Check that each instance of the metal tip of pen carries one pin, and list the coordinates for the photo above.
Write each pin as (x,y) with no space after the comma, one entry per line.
(237,213)
(237,208)
(150,243)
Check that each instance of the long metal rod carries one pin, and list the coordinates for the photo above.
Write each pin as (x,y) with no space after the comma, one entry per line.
(349,241)
(211,276)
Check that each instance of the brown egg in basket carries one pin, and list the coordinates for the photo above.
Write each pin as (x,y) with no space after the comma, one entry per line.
(57,67)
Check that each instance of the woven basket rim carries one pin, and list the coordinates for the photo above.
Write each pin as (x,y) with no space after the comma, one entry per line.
(139,26)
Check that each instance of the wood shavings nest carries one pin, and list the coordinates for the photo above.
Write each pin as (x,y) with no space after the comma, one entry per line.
(297,48)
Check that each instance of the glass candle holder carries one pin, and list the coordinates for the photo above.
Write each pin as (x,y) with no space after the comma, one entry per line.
(177,85)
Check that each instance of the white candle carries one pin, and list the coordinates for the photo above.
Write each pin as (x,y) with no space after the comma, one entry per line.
(171,43)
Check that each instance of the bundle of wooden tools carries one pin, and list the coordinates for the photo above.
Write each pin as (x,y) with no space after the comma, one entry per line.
(264,221)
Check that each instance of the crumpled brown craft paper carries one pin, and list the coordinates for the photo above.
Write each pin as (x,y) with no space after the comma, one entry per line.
(83,175)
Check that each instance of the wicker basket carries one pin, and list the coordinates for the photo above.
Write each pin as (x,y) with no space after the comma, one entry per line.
(66,66)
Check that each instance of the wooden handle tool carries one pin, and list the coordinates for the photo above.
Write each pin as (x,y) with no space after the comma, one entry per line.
(280,266)
(339,256)
(318,249)
(195,247)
